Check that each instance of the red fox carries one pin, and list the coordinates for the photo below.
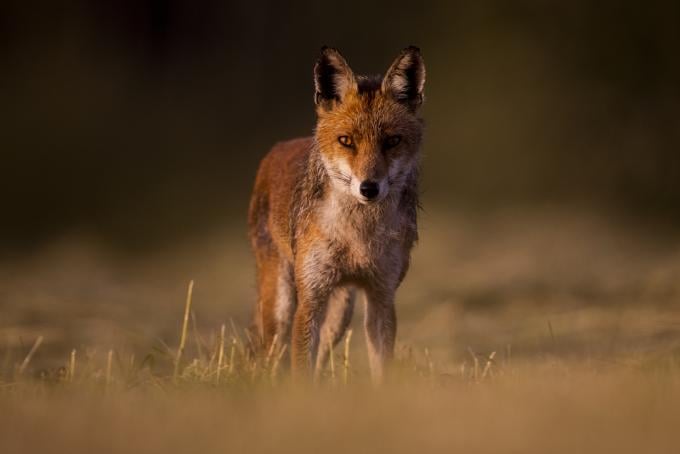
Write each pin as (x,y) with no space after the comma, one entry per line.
(334,214)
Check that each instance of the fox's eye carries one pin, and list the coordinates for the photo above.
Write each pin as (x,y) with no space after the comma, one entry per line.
(345,141)
(392,141)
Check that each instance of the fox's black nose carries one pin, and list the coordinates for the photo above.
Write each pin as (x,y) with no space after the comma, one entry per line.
(369,189)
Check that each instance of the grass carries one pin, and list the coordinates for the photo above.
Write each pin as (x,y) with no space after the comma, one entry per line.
(212,367)
(521,334)
(490,406)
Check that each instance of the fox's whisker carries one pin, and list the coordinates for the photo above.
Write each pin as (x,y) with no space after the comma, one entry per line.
(341,176)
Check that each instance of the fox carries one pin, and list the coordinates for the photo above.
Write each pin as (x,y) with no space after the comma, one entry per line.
(334,215)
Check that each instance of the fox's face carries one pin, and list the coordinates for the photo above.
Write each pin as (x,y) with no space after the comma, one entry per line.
(368,130)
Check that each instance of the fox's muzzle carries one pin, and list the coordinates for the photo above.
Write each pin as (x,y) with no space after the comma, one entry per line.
(369,189)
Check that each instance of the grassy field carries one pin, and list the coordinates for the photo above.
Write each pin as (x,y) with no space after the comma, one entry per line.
(518,332)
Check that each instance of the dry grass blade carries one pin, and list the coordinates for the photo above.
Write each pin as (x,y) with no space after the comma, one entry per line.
(27,360)
(489,363)
(331,361)
(252,343)
(109,363)
(185,324)
(208,370)
(277,361)
(236,336)
(475,360)
(72,365)
(232,354)
(220,356)
(346,357)
(270,353)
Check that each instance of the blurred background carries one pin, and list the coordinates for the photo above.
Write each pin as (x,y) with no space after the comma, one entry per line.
(141,121)
(136,126)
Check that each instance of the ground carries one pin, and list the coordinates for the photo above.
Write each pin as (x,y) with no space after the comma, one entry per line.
(519,331)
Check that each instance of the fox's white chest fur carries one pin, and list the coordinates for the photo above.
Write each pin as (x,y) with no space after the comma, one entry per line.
(361,234)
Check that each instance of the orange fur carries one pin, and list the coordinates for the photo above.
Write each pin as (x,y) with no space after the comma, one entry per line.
(336,213)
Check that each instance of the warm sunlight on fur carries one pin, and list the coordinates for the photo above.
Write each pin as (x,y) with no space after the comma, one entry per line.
(335,213)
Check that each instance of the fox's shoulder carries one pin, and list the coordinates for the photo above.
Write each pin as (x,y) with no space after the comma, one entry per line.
(274,195)
(283,162)
(290,151)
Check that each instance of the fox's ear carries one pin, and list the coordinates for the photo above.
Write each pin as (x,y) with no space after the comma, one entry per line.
(405,80)
(333,78)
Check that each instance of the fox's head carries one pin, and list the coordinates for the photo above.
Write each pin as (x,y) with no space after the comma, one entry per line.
(368,130)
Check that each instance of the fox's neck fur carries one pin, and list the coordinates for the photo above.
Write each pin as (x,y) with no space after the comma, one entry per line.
(341,215)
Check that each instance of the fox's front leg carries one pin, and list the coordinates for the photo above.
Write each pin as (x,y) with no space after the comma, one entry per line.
(306,330)
(315,279)
(381,329)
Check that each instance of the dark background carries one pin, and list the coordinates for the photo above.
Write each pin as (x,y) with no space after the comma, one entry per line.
(140,122)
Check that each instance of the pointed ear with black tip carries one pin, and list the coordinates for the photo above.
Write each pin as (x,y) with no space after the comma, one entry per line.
(405,80)
(333,78)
